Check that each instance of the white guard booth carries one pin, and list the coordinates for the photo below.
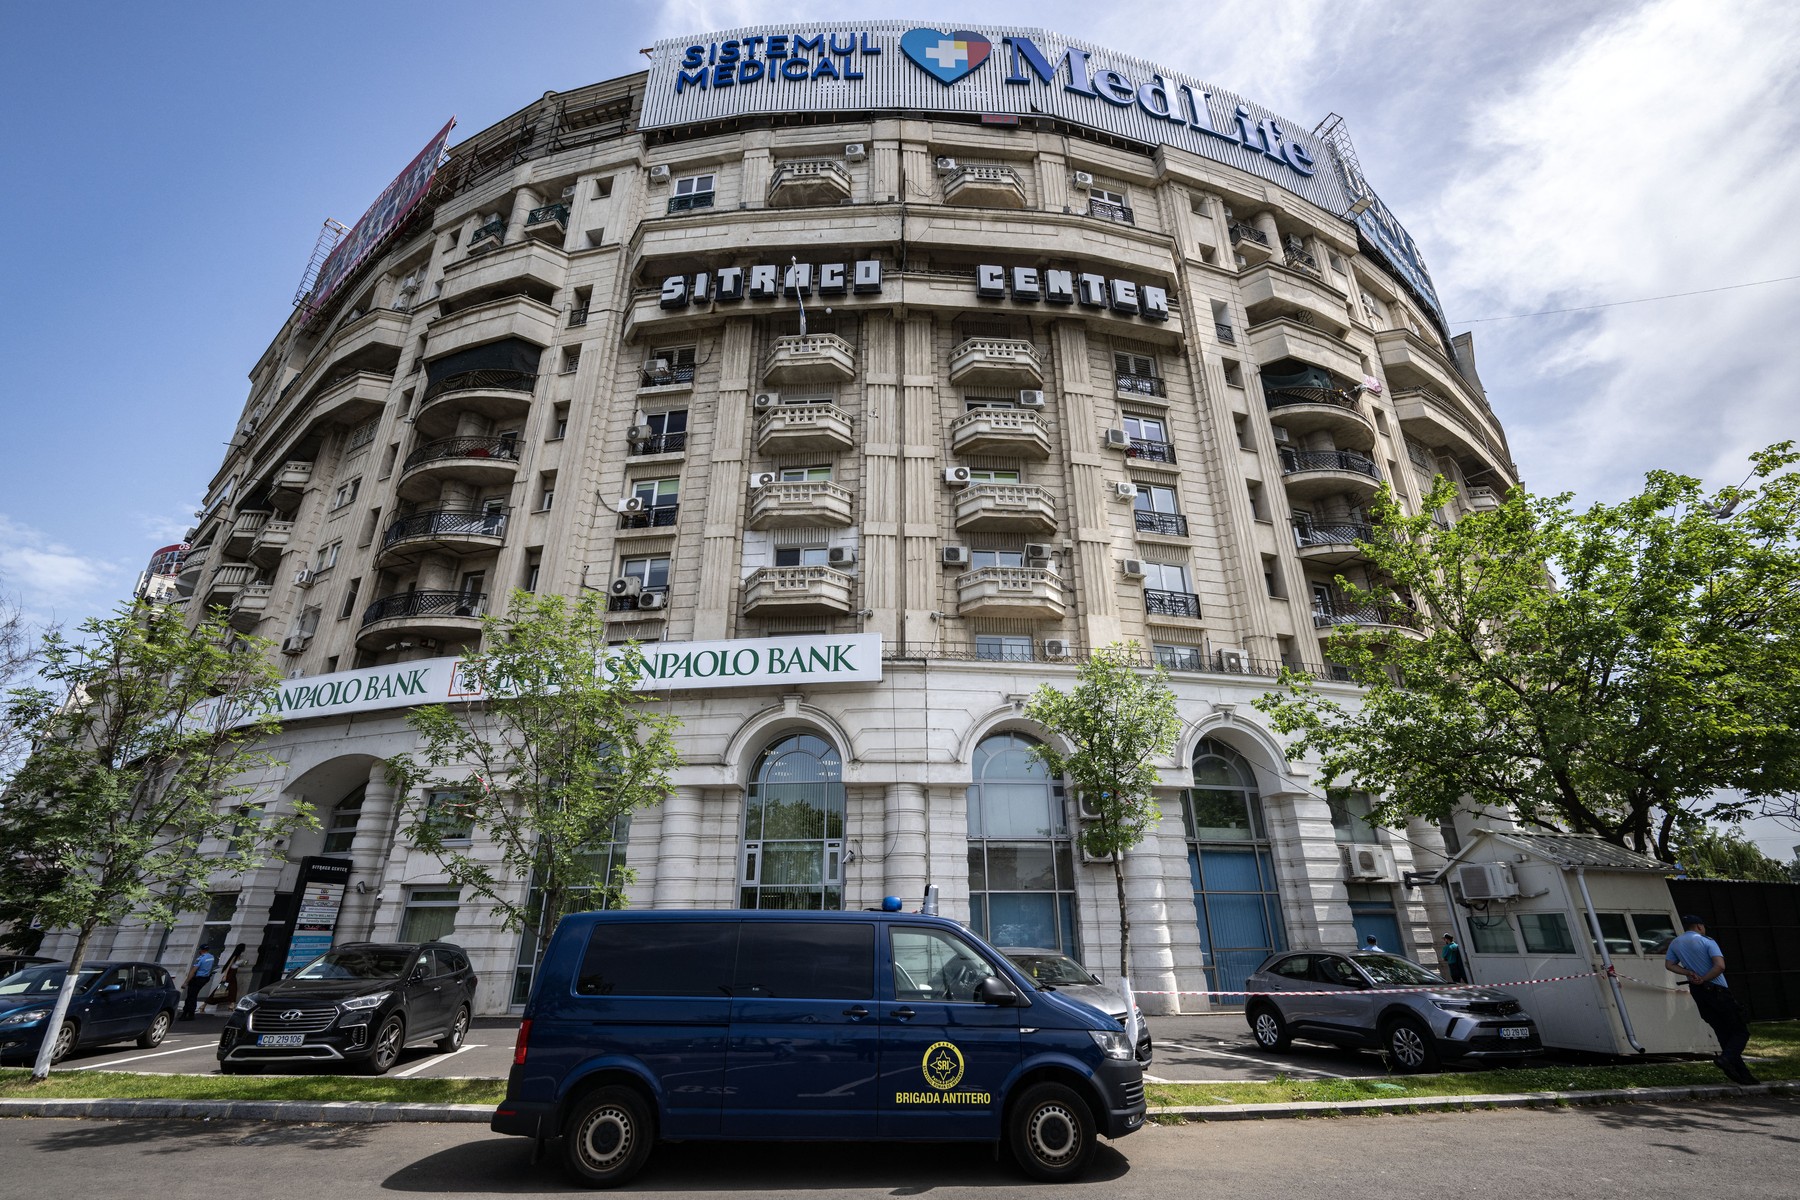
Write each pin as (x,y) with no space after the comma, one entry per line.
(1538,906)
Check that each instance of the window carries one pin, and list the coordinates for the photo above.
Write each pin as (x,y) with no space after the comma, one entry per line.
(805,475)
(1156,511)
(1236,900)
(802,556)
(603,861)
(996,558)
(1199,207)
(1491,935)
(348,608)
(1148,429)
(583,297)
(1021,857)
(982,475)
(1141,366)
(693,185)
(669,364)
(221,909)
(1546,933)
(571,359)
(930,964)
(668,433)
(659,958)
(1350,812)
(546,491)
(1234,372)
(388,458)
(603,187)
(534,568)
(1259,505)
(559,423)
(447,814)
(1616,933)
(1165,577)
(1654,931)
(430,914)
(1108,204)
(340,826)
(1177,658)
(346,492)
(1272,578)
(794,827)
(653,573)
(658,493)
(997,648)
(1372,913)
(362,435)
(328,556)
(807,960)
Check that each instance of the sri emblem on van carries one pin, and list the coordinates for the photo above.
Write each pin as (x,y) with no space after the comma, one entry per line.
(943,1064)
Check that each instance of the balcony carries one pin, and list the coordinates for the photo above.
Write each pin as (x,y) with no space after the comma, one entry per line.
(1147,450)
(488,236)
(1107,210)
(797,591)
(496,394)
(805,183)
(814,503)
(1331,544)
(996,362)
(500,318)
(1003,432)
(661,373)
(370,343)
(656,443)
(351,400)
(809,358)
(690,202)
(192,563)
(1005,508)
(1141,385)
(1282,338)
(1159,603)
(1338,611)
(242,531)
(530,265)
(289,485)
(1410,361)
(1310,474)
(1312,400)
(1164,524)
(804,428)
(446,530)
(984,187)
(482,461)
(248,606)
(650,518)
(451,616)
(551,223)
(1432,420)
(1030,593)
(1271,290)
(271,542)
(1251,242)
(1483,499)
(226,582)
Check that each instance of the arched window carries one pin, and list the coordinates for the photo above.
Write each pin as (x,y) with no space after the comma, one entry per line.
(1236,899)
(340,825)
(794,827)
(1021,861)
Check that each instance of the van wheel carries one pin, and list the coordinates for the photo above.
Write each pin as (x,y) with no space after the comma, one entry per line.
(1052,1133)
(1410,1047)
(1269,1030)
(607,1138)
(152,1037)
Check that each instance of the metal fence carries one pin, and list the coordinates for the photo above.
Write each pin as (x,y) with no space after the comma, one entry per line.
(1757,926)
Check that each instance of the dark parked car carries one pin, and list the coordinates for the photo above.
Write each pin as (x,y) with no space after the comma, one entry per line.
(10,963)
(1055,971)
(1418,1029)
(361,1003)
(114,1002)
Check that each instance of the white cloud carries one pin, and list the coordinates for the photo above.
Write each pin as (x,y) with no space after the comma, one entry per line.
(53,581)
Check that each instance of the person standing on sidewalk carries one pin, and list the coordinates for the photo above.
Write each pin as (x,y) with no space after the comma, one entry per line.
(1697,958)
(199,975)
(1453,960)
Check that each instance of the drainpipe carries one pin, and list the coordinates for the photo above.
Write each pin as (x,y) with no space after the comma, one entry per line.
(1612,976)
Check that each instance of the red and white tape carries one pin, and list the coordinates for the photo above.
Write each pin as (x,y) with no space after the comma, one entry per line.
(1405,991)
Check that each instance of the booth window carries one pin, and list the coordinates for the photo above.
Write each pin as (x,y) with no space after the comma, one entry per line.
(1546,933)
(1654,931)
(1491,935)
(1616,933)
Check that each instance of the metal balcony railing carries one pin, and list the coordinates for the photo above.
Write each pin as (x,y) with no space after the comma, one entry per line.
(1338,399)
(1341,610)
(1171,604)
(442,523)
(426,604)
(650,377)
(1143,385)
(1293,461)
(549,212)
(495,229)
(1347,533)
(506,449)
(690,202)
(1167,524)
(1248,233)
(1225,332)
(660,443)
(1111,211)
(483,381)
(1151,451)
(578,317)
(649,518)
(1303,261)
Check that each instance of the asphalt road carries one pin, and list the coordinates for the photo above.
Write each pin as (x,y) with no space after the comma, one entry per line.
(1738,1150)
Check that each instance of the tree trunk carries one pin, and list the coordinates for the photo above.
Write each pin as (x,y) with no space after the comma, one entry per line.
(1124,918)
(40,1070)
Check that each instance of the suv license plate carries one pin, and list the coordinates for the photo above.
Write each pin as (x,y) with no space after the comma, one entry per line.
(294,1039)
(1516,1031)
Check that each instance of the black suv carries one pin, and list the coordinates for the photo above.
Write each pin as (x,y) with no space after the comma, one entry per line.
(360,1003)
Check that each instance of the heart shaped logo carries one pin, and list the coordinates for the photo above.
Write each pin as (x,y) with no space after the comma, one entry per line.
(946,57)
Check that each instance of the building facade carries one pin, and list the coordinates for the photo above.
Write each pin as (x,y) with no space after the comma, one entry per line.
(915,379)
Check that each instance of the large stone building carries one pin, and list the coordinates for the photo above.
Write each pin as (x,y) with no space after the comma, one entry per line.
(910,366)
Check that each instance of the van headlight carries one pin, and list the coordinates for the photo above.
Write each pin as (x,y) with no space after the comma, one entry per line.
(359,1003)
(1112,1043)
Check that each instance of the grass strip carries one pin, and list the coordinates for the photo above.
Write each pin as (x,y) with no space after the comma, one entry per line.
(1777,1043)
(123,1085)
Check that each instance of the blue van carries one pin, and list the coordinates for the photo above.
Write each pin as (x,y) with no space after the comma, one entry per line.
(787,1026)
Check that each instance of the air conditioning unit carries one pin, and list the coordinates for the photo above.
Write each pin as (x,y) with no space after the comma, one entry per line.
(294,643)
(1487,881)
(841,556)
(1118,439)
(1369,864)
(640,433)
(659,173)
(304,577)
(1087,857)
(1282,436)
(633,504)
(956,475)
(1039,550)
(1085,808)
(625,585)
(1233,661)
(766,400)
(955,556)
(1133,568)
(763,479)
(653,600)
(568,193)
(855,152)
(1031,398)
(946,165)
(657,366)
(1125,491)
(1056,648)
(1084,179)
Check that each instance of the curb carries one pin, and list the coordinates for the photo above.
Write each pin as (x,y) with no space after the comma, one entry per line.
(1329,1108)
(306,1111)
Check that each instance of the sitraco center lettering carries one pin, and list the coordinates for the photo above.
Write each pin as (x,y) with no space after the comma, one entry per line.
(769,281)
(1085,288)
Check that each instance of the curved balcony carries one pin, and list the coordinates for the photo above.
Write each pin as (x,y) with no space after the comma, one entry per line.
(809,358)
(192,563)
(1409,361)
(1331,543)
(1340,612)
(1338,415)
(984,187)
(372,342)
(453,532)
(797,591)
(801,183)
(289,485)
(249,606)
(1284,337)
(1005,508)
(814,503)
(496,394)
(242,531)
(226,582)
(1433,420)
(996,362)
(481,461)
(1250,242)
(351,400)
(804,428)
(1005,432)
(439,615)
(1272,290)
(1030,593)
(529,263)
(494,320)
(1309,474)
(271,542)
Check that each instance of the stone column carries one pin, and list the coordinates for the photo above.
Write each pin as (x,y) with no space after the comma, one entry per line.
(524,200)
(368,851)
(905,865)
(1265,221)
(725,487)
(1152,951)
(678,853)
(1095,568)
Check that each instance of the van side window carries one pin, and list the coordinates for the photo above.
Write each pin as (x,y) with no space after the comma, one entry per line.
(659,958)
(806,960)
(930,964)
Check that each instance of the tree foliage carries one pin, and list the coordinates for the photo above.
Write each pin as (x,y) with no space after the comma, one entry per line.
(129,805)
(542,770)
(1609,671)
(1117,718)
(1705,852)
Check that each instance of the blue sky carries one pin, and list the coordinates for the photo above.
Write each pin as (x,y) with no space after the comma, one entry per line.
(170,166)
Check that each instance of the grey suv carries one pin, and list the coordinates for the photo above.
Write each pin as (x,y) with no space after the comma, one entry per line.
(1344,999)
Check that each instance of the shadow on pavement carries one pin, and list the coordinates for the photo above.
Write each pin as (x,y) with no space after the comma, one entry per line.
(504,1166)
(1771,1118)
(186,1136)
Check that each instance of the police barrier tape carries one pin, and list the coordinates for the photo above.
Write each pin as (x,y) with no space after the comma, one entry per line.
(1404,991)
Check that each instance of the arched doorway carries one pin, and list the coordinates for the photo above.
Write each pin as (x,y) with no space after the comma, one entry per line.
(1236,900)
(793,854)
(1021,859)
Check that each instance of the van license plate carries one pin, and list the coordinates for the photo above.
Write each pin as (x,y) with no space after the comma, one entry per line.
(283,1039)
(1516,1031)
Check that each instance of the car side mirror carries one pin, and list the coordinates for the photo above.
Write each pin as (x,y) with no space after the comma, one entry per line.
(112,987)
(995,990)
(419,972)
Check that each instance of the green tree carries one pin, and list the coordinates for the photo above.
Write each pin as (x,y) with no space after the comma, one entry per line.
(543,768)
(1705,852)
(1117,718)
(1611,671)
(131,802)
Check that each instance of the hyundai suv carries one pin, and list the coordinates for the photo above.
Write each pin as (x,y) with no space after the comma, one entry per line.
(361,1004)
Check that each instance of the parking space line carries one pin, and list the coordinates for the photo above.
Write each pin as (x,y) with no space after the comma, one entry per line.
(1261,1062)
(119,1062)
(436,1059)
